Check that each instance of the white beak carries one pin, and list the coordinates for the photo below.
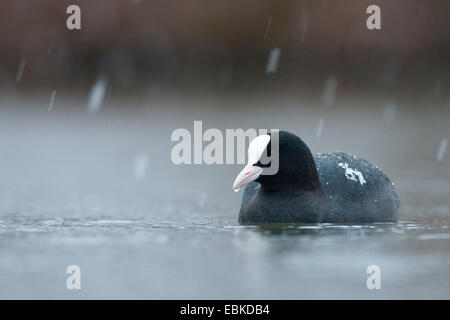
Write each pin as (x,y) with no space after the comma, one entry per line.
(252,172)
(247,175)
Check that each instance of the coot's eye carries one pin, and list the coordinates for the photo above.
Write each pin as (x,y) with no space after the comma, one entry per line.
(267,165)
(265,158)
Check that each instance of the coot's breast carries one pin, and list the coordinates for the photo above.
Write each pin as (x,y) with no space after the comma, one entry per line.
(357,190)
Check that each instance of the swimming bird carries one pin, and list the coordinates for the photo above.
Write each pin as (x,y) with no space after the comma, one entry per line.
(325,188)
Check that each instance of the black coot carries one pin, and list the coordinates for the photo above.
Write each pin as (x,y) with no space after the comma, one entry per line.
(334,187)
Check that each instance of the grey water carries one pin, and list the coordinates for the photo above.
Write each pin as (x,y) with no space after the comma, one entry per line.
(99,190)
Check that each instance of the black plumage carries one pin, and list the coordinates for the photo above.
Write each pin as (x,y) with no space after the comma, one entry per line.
(334,188)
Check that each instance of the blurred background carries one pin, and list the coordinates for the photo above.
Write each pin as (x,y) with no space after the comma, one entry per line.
(139,69)
(226,44)
(86,118)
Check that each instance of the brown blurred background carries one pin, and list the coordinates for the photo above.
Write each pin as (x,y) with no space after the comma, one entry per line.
(225,44)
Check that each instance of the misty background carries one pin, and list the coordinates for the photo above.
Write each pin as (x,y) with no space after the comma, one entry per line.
(137,70)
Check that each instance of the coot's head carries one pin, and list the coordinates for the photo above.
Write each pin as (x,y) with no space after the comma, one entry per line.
(296,166)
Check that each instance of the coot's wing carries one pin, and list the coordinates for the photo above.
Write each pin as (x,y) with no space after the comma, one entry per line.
(357,190)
